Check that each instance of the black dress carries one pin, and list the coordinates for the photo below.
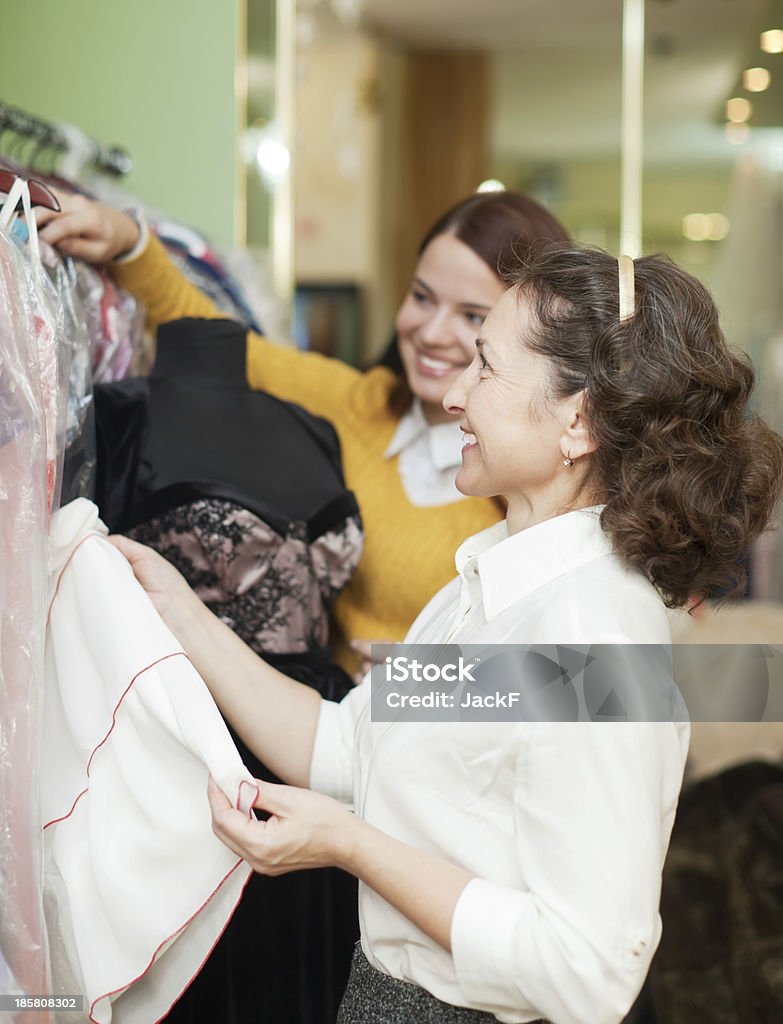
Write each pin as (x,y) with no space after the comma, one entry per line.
(245,495)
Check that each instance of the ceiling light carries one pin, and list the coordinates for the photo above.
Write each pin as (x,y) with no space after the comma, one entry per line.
(696,227)
(756,79)
(491,185)
(772,41)
(702,227)
(719,226)
(273,159)
(738,109)
(262,145)
(736,134)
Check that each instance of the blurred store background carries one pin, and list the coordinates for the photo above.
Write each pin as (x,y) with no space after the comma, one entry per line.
(326,134)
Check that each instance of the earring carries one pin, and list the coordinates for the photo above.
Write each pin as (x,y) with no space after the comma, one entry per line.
(568,461)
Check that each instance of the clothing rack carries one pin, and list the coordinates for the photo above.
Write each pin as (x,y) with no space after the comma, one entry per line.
(65,139)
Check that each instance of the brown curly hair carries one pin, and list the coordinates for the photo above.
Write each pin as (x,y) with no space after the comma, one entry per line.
(689,477)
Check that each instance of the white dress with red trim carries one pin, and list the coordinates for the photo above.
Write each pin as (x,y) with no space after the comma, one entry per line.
(137,886)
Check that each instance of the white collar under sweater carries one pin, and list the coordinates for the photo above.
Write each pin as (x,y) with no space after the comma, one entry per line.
(430,454)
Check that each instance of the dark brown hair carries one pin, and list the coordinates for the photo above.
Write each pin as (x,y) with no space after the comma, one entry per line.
(499,227)
(689,477)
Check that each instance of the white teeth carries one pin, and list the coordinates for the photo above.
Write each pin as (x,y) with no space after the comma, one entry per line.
(468,438)
(434,364)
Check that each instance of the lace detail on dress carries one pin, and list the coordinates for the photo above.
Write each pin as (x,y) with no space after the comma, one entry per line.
(274,592)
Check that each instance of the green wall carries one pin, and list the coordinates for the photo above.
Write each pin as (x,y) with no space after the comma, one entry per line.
(155,76)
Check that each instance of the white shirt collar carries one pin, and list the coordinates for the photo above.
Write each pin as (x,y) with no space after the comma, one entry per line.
(444,439)
(512,567)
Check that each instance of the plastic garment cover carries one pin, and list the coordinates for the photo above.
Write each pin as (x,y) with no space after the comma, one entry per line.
(79,460)
(101,332)
(113,318)
(26,487)
(114,322)
(8,983)
(44,322)
(138,887)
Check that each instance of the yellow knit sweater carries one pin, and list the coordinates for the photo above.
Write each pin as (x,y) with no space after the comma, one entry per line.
(409,551)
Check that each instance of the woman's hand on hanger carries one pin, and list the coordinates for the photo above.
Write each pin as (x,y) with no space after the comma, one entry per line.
(87,229)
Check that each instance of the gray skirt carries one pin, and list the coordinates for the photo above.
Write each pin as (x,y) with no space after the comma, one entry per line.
(375,998)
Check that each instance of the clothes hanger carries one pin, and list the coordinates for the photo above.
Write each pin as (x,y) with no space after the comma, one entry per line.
(39,193)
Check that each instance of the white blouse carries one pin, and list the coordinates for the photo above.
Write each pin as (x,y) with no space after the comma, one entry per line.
(430,454)
(564,825)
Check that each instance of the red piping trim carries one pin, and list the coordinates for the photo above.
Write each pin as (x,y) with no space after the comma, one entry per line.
(93,533)
(244,782)
(166,657)
(73,808)
(173,935)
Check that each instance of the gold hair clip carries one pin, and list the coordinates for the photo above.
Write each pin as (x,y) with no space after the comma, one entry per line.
(626,287)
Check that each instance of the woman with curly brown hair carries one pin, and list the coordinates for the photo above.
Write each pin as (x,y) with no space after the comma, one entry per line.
(511,870)
(687,477)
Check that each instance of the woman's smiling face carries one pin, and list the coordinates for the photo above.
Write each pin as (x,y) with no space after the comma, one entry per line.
(516,433)
(437,325)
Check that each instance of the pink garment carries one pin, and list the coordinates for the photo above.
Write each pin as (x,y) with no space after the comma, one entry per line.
(137,886)
(23,526)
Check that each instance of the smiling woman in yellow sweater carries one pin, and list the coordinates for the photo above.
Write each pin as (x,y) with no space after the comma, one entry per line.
(401,450)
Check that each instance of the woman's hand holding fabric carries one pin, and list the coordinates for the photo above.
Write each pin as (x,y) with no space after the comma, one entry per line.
(310,830)
(304,830)
(166,587)
(87,229)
